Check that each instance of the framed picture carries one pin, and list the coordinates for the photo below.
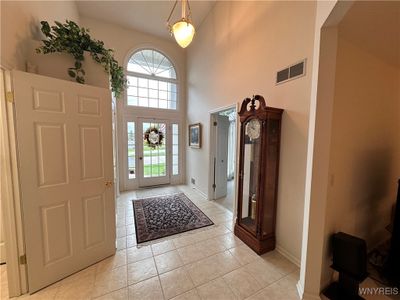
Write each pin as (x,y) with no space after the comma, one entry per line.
(195,135)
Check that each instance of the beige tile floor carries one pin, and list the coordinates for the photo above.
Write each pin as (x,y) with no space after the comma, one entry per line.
(208,263)
(3,282)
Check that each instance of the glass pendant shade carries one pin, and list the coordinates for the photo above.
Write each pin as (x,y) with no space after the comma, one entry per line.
(183,32)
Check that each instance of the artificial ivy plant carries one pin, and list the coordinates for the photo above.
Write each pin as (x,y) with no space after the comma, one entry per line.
(75,40)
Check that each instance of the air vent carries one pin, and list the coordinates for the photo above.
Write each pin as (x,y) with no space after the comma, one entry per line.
(292,72)
(282,75)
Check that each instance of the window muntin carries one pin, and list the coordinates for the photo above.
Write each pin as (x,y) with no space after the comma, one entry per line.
(151,62)
(131,150)
(155,159)
(175,149)
(151,81)
(152,93)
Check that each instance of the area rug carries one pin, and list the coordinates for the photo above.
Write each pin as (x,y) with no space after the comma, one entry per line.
(162,216)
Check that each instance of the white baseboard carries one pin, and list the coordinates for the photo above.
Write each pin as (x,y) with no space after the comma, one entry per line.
(287,255)
(300,289)
(303,295)
(200,192)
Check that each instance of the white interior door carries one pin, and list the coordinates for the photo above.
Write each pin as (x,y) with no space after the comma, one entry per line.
(221,156)
(66,172)
(153,163)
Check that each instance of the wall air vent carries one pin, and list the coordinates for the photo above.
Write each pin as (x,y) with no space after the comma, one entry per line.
(292,72)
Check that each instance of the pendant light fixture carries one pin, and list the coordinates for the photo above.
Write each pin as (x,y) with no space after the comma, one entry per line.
(183,30)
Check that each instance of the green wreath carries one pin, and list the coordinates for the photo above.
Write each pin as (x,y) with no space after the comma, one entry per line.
(153,137)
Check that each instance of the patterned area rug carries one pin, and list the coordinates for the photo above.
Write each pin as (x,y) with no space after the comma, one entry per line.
(161,216)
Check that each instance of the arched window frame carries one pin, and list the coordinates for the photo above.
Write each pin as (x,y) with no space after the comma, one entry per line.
(153,77)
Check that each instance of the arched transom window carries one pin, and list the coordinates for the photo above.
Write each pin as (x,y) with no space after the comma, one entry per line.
(152,80)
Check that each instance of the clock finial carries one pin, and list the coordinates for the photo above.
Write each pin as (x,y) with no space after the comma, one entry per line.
(253,103)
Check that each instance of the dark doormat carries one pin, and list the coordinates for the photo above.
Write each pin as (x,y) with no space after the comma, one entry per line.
(162,216)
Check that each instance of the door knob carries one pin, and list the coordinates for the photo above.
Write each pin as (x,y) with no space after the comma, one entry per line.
(109,183)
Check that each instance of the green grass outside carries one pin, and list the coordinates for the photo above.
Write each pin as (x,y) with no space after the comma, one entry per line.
(155,170)
(147,151)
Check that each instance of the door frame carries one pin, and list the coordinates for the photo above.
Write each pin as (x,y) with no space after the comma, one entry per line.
(114,111)
(212,152)
(11,206)
(170,118)
(220,176)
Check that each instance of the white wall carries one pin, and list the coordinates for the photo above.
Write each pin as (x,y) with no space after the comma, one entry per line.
(323,70)
(20,24)
(235,54)
(124,41)
(365,145)
(375,28)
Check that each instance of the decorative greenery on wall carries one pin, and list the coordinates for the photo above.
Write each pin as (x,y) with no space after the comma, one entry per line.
(72,39)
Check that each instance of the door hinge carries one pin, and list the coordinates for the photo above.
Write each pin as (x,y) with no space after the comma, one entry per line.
(22,259)
(10,97)
(215,123)
(214,186)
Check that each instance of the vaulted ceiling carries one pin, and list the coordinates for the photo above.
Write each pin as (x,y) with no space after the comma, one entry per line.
(146,16)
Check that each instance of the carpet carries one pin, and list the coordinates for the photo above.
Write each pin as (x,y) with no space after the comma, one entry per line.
(161,216)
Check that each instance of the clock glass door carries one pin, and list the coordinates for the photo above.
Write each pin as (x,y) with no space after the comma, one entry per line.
(250,173)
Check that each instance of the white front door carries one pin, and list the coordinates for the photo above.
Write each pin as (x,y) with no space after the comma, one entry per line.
(144,166)
(66,175)
(221,156)
(153,162)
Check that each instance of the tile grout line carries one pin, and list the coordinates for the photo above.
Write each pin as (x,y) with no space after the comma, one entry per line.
(162,290)
(124,210)
(273,282)
(192,244)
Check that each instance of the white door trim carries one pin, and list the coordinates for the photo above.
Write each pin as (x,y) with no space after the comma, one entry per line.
(10,195)
(128,184)
(115,146)
(221,148)
(133,184)
(210,192)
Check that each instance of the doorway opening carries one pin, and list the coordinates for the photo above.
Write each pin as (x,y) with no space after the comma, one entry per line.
(223,156)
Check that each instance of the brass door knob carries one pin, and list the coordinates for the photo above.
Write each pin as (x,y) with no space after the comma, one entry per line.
(109,183)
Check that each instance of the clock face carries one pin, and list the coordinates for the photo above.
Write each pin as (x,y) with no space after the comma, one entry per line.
(253,128)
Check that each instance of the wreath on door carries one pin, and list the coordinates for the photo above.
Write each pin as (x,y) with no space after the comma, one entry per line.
(153,137)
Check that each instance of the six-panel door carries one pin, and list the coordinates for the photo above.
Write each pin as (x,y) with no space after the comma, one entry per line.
(64,136)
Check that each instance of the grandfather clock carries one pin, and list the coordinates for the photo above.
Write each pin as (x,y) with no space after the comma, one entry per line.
(260,130)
